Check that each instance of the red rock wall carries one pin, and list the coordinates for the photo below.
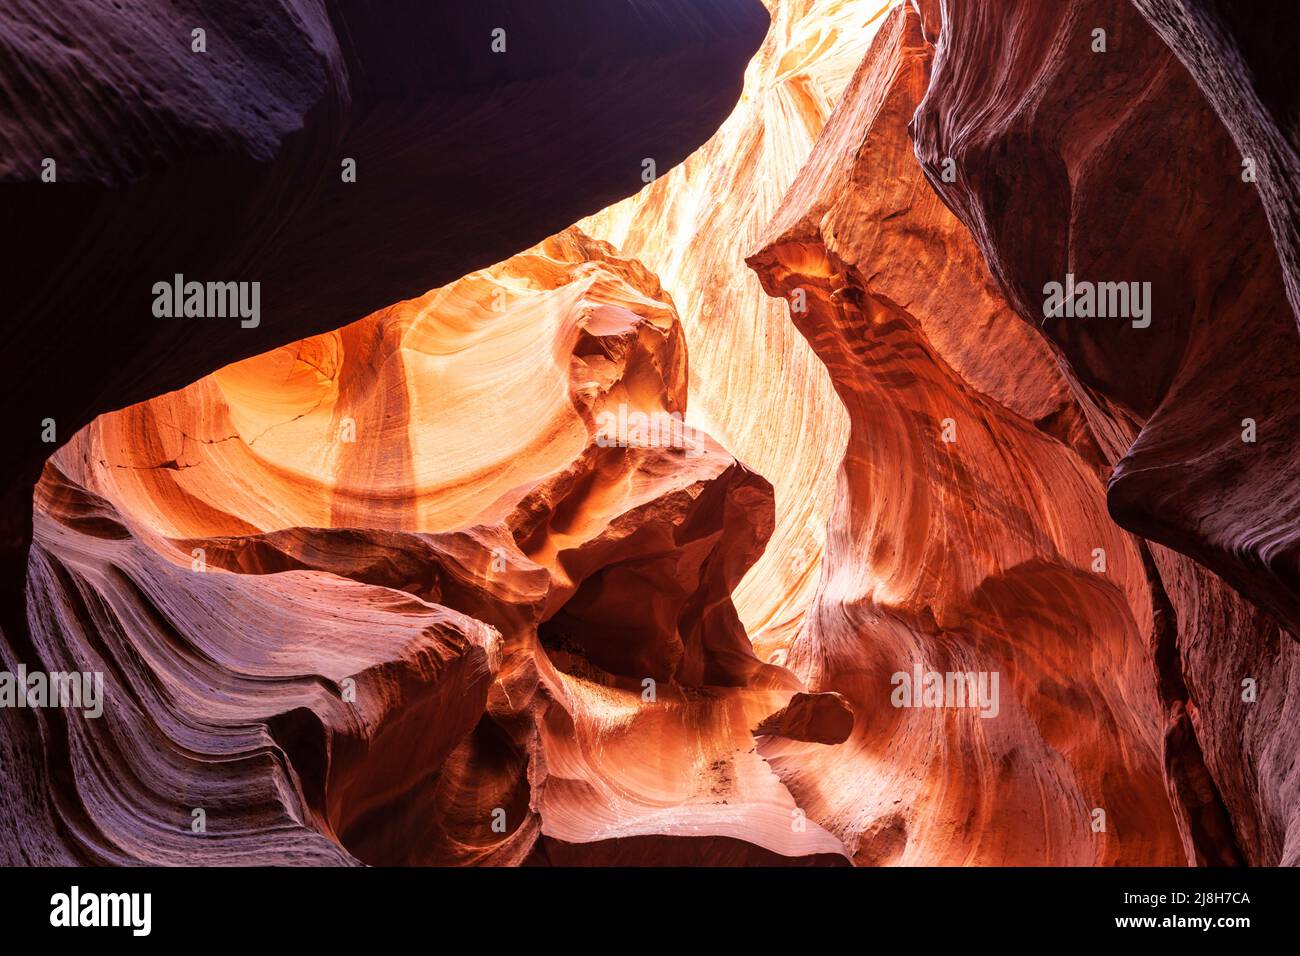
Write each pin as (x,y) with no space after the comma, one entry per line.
(499,575)
(963,535)
(534,611)
(226,165)
(1114,166)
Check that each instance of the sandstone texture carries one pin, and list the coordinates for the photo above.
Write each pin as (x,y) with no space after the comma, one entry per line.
(755,506)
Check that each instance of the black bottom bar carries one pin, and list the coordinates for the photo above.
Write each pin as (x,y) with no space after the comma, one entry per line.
(567,906)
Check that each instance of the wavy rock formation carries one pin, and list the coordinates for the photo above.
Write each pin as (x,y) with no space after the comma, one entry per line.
(1066,163)
(1246,60)
(964,535)
(755,384)
(223,157)
(926,571)
(284,718)
(534,612)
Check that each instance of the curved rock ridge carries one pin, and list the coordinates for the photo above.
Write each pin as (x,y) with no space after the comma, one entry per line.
(1066,162)
(755,384)
(969,533)
(245,720)
(533,613)
(934,566)
(1246,60)
(326,150)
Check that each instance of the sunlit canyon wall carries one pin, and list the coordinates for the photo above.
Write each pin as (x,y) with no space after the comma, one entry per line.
(553,516)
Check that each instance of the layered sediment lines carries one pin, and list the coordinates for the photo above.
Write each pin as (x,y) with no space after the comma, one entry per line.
(965,536)
(342,156)
(1246,60)
(470,581)
(1066,161)
(755,384)
(499,643)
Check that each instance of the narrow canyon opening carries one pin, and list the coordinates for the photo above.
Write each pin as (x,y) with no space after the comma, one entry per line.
(762,516)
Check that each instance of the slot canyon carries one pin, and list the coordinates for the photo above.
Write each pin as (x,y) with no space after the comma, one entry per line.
(652,446)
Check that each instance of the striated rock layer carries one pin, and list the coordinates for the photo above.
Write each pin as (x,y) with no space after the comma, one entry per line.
(755,384)
(965,533)
(1067,162)
(227,164)
(470,582)
(1246,60)
(348,627)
